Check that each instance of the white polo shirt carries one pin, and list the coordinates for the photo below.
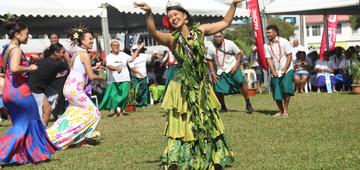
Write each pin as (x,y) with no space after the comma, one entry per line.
(279,55)
(340,63)
(120,60)
(140,64)
(225,56)
(322,64)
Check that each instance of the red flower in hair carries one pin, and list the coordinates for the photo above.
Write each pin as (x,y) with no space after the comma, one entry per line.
(166,23)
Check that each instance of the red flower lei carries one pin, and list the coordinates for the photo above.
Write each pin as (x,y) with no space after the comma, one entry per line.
(166,23)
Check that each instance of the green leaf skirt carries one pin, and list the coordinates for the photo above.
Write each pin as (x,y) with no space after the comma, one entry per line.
(182,148)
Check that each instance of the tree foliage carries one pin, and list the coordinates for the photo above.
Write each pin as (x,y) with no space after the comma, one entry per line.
(355,22)
(286,29)
(243,35)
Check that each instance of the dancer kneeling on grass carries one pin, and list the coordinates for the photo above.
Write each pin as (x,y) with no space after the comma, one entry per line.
(26,141)
(81,117)
(194,130)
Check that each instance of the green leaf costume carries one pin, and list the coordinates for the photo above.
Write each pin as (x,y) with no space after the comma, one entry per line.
(194,130)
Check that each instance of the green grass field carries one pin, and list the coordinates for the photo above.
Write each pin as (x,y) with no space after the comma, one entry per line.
(322,132)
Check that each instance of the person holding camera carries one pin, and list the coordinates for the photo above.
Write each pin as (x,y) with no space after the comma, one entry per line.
(302,66)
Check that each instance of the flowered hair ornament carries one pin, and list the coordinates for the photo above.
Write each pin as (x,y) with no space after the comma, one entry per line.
(75,34)
(165,20)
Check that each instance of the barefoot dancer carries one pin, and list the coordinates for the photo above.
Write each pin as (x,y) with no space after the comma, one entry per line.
(194,130)
(81,117)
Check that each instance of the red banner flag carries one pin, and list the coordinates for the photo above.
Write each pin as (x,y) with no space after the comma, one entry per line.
(332,26)
(257,25)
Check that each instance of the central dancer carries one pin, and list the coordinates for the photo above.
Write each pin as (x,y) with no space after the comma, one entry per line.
(194,130)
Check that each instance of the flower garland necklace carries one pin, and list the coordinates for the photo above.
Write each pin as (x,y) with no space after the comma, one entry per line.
(191,36)
(217,55)
(273,54)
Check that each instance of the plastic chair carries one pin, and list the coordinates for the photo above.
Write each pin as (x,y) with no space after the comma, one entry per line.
(250,76)
(96,100)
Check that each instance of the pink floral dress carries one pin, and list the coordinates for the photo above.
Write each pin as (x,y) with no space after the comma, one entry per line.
(81,117)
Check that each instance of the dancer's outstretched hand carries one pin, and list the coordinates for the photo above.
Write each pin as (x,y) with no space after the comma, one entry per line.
(141,46)
(235,2)
(143,6)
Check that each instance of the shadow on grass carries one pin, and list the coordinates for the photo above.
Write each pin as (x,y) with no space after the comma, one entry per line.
(231,110)
(156,161)
(92,141)
(267,112)
(348,93)
(115,114)
(87,142)
(152,161)
(38,163)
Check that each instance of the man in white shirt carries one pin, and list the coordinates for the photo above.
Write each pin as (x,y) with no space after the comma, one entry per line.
(325,69)
(279,59)
(225,56)
(139,76)
(118,79)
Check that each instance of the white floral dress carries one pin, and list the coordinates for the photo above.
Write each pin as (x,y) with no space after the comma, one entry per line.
(81,117)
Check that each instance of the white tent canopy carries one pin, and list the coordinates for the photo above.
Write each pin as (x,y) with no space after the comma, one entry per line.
(45,16)
(87,8)
(313,7)
(195,7)
(55,15)
(57,8)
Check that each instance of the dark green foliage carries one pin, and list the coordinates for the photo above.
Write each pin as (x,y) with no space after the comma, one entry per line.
(355,22)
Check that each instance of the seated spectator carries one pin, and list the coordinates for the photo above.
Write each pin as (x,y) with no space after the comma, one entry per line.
(325,69)
(314,57)
(302,66)
(339,60)
(351,58)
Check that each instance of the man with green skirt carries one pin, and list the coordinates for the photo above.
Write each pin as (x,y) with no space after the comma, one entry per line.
(117,92)
(225,56)
(139,76)
(279,58)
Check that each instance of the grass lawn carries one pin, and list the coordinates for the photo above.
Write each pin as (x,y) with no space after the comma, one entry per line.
(322,132)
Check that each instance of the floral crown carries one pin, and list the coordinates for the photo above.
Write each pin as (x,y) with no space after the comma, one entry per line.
(165,19)
(171,3)
(75,33)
